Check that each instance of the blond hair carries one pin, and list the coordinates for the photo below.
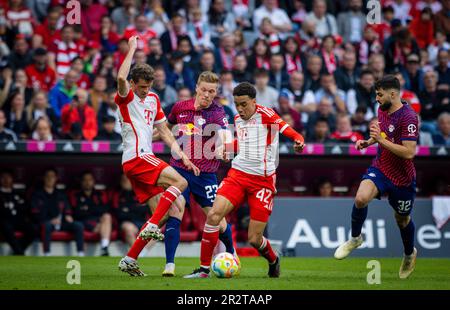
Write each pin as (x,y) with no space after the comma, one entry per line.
(208,77)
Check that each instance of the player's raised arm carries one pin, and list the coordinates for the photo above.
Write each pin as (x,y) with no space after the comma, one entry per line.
(289,132)
(168,138)
(122,83)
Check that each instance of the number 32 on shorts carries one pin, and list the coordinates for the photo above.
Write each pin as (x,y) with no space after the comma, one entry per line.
(265,195)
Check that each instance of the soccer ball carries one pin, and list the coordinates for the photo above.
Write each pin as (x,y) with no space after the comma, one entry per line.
(225,265)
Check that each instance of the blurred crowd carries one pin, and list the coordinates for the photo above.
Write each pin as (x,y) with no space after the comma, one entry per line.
(314,61)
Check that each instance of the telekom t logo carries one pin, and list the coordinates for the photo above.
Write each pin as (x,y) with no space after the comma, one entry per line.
(74,15)
(148,116)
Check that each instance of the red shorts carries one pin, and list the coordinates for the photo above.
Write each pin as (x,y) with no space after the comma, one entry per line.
(143,173)
(259,191)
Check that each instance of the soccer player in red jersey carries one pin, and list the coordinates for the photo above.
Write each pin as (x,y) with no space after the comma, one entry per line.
(392,171)
(140,110)
(251,177)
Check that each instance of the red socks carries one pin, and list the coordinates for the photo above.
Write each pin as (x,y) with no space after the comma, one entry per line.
(164,204)
(209,241)
(266,251)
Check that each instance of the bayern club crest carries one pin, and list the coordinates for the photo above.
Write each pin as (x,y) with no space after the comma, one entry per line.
(391,128)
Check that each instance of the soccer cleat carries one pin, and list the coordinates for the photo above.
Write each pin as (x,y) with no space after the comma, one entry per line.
(347,247)
(169,270)
(104,251)
(408,264)
(198,273)
(274,269)
(131,267)
(151,231)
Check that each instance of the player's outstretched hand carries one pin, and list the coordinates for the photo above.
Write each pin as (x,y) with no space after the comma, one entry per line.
(298,146)
(375,132)
(361,144)
(132,42)
(190,166)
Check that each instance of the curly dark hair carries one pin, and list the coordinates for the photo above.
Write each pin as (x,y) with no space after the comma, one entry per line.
(245,89)
(142,72)
(388,82)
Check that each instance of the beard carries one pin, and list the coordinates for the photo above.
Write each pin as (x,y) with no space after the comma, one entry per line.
(385,106)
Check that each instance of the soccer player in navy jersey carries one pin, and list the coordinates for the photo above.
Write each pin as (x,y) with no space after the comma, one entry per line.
(392,172)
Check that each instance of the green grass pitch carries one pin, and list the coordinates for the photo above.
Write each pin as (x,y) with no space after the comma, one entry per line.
(98,273)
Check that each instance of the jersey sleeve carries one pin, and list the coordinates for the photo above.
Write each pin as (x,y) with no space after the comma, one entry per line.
(172,118)
(270,117)
(119,100)
(410,128)
(220,118)
(160,116)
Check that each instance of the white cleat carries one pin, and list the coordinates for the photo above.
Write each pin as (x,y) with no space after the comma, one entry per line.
(198,273)
(169,270)
(151,231)
(408,265)
(347,247)
(131,267)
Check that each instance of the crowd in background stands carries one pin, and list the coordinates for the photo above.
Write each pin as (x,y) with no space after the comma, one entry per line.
(314,61)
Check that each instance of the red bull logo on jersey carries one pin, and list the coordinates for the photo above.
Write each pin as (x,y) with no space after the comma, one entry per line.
(189,129)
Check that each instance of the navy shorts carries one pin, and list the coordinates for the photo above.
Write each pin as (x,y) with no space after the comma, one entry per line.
(202,187)
(401,198)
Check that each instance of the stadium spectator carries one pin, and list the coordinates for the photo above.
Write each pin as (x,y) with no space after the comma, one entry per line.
(299,15)
(344,132)
(166,93)
(268,32)
(199,32)
(220,20)
(110,108)
(278,77)
(329,89)
(21,55)
(45,33)
(89,206)
(266,95)
(226,99)
(20,18)
(413,74)
(327,52)
(6,135)
(363,95)
(20,85)
(325,24)
(348,73)
(122,16)
(39,107)
(377,65)
(369,45)
(97,94)
(40,75)
(7,81)
(442,20)
(278,17)
(42,130)
(156,56)
(48,205)
(107,132)
(440,43)
(321,132)
(106,35)
(141,29)
(139,58)
(306,38)
(130,213)
(16,118)
(433,101)
(324,188)
(83,81)
(176,28)
(64,50)
(226,52)
(299,99)
(240,9)
(206,63)
(443,70)
(351,22)
(289,115)
(260,55)
(240,43)
(177,74)
(294,58)
(400,45)
(184,94)
(442,137)
(190,56)
(107,70)
(240,69)
(422,28)
(14,215)
(61,94)
(91,17)
(78,111)
(359,122)
(324,111)
(313,72)
(402,10)
(157,17)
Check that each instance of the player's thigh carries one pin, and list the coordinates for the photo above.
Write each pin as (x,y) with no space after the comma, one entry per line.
(367,191)
(170,177)
(260,202)
(401,200)
(255,232)
(221,207)
(204,189)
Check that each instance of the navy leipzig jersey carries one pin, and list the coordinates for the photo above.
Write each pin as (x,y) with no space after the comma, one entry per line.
(397,127)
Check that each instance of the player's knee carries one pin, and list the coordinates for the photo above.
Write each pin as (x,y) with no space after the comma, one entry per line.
(181,184)
(213,217)
(402,221)
(78,227)
(361,201)
(255,240)
(107,218)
